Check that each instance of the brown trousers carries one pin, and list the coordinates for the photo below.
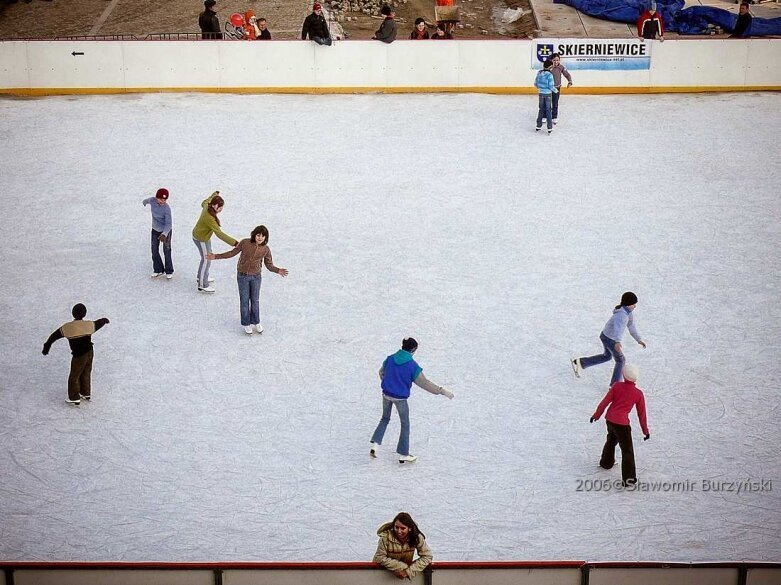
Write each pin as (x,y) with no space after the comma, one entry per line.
(80,378)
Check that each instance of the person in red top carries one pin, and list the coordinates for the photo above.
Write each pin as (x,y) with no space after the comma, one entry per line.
(650,24)
(622,397)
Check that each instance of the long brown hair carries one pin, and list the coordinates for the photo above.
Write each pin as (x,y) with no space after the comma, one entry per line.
(415,534)
(219,202)
(262,230)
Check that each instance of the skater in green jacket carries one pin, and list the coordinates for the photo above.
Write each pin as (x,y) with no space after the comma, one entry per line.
(208,224)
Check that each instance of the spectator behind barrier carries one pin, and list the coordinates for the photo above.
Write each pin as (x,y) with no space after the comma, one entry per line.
(443,32)
(315,27)
(264,34)
(388,29)
(420,32)
(208,21)
(650,24)
(399,539)
(743,25)
(250,28)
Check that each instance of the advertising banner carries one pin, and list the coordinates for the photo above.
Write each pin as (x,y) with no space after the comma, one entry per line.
(594,54)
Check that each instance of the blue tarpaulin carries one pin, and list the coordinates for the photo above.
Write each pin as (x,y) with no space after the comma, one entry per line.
(676,18)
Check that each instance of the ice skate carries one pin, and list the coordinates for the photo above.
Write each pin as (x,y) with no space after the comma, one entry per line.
(555,121)
(73,402)
(538,129)
(206,289)
(407,458)
(169,276)
(259,328)
(550,131)
(248,330)
(576,367)
(156,274)
(373,450)
(87,398)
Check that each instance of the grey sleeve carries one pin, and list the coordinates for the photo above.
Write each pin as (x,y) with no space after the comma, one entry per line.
(427,385)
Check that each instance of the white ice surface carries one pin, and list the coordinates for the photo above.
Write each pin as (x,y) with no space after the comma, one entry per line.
(444,217)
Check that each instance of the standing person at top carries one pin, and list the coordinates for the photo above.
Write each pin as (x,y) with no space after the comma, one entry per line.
(161,233)
(397,374)
(545,85)
(420,32)
(399,539)
(208,224)
(79,335)
(742,28)
(315,27)
(611,337)
(558,70)
(650,24)
(208,21)
(254,252)
(388,29)
(622,397)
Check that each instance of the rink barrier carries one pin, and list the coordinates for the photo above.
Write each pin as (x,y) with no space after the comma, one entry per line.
(36,68)
(352,573)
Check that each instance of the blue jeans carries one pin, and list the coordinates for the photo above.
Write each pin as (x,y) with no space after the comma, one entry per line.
(249,298)
(545,111)
(403,409)
(157,263)
(610,352)
(555,100)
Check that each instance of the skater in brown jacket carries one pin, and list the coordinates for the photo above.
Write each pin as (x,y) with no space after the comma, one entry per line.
(79,335)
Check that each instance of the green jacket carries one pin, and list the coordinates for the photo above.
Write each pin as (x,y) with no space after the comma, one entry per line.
(207,225)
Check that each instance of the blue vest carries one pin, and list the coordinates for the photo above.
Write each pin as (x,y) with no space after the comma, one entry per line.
(399,371)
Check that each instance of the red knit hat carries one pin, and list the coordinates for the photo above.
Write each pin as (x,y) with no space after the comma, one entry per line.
(162,193)
(316,7)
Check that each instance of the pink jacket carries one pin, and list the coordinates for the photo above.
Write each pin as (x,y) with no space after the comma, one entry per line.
(622,396)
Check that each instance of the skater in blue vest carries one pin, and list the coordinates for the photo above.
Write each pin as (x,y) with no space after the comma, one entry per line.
(397,373)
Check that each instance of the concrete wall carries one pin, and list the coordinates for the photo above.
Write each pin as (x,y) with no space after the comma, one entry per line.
(50,67)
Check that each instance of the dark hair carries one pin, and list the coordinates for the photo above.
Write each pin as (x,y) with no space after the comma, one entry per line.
(262,230)
(419,21)
(385,10)
(79,311)
(627,299)
(219,202)
(414,532)
(409,344)
(261,20)
(745,4)
(552,57)
(547,64)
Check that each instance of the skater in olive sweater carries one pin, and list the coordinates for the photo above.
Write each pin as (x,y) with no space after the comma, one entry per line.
(208,224)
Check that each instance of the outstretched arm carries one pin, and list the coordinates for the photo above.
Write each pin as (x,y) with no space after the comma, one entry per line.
(52,338)
(429,386)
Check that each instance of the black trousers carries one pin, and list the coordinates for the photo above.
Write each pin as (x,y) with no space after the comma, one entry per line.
(620,435)
(80,378)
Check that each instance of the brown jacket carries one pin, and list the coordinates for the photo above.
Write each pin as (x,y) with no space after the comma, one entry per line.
(395,556)
(251,257)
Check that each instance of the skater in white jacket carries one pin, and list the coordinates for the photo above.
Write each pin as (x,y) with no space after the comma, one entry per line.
(611,337)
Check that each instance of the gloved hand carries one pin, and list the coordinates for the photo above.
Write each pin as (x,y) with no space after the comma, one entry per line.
(648,436)
(45,350)
(162,238)
(591,420)
(446,392)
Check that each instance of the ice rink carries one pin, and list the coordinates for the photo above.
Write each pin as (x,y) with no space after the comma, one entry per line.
(444,217)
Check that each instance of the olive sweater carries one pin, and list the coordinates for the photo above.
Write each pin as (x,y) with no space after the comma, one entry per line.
(207,225)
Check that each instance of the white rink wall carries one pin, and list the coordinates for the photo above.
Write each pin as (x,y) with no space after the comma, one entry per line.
(50,67)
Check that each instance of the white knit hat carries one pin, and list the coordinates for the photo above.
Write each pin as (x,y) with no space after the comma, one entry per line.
(630,373)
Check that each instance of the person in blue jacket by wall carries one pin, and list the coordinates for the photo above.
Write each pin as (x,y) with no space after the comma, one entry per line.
(397,373)
(546,85)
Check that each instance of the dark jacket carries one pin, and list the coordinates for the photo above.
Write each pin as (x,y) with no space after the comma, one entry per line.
(742,26)
(315,26)
(210,25)
(387,31)
(649,25)
(265,35)
(414,35)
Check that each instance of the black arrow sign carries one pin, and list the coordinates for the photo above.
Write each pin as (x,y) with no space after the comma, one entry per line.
(75,53)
